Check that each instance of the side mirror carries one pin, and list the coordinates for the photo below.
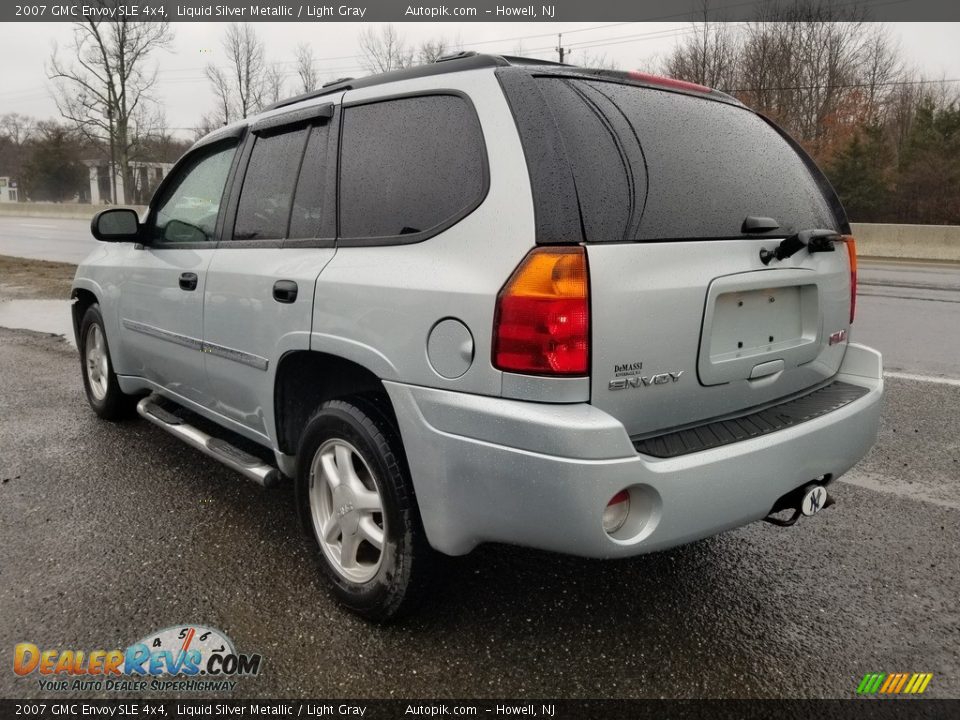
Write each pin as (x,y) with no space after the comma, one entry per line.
(116,225)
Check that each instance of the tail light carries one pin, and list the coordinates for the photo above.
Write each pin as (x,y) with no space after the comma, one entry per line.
(852,254)
(542,322)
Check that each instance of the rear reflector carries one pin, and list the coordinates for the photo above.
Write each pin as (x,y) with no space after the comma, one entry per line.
(852,254)
(616,512)
(542,322)
(667,82)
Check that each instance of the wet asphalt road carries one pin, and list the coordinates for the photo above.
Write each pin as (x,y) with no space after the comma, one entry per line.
(47,238)
(112,531)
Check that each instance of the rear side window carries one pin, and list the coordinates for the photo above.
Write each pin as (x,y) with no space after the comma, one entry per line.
(308,200)
(264,206)
(657,165)
(409,167)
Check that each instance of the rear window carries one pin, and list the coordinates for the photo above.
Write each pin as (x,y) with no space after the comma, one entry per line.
(655,165)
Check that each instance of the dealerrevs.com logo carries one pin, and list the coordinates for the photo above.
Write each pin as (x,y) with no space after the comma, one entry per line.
(182,658)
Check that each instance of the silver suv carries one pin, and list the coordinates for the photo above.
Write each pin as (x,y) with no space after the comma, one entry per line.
(492,300)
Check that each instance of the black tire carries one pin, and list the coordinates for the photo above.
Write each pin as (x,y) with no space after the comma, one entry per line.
(108,400)
(406,559)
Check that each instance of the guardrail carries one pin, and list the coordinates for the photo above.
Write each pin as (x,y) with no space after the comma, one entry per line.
(915,242)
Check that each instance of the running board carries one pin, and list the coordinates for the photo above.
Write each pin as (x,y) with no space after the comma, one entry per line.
(253,468)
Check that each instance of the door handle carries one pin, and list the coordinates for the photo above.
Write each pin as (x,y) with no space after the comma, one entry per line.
(285,291)
(188,281)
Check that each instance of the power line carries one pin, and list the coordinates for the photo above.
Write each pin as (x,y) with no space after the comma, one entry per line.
(846,86)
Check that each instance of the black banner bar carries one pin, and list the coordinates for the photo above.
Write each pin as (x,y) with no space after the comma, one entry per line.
(892,709)
(456,10)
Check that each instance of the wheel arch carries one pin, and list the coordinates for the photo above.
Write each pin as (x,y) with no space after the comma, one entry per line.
(82,298)
(306,379)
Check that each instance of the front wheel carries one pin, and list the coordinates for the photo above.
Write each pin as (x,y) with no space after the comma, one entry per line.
(356,498)
(99,381)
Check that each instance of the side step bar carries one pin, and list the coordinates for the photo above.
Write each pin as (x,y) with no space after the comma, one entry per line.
(233,457)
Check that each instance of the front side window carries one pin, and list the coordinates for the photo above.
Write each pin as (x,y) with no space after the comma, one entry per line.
(409,166)
(189,208)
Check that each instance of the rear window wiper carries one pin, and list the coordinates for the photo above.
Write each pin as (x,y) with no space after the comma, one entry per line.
(813,240)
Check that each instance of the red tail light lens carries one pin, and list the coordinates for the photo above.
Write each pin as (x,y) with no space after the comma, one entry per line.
(852,254)
(542,323)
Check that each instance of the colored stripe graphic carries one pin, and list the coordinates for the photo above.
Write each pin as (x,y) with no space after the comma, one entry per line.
(894,683)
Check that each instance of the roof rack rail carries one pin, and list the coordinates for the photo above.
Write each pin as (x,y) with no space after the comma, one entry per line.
(456,56)
(519,60)
(464,61)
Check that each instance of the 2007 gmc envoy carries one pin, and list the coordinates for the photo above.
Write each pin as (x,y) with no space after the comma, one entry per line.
(492,300)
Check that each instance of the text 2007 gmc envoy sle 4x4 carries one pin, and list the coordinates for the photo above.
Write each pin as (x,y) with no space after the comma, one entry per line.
(492,300)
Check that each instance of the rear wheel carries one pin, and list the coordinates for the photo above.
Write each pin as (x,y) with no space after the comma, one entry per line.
(356,498)
(99,381)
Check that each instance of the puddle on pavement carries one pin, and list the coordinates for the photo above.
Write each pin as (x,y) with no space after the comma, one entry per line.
(48,316)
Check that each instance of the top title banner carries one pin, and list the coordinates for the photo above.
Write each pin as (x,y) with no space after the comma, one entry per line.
(460,10)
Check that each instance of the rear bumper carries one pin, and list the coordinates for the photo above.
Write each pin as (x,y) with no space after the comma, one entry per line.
(494,470)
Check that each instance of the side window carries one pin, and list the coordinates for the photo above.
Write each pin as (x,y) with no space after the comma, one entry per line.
(409,165)
(264,207)
(308,198)
(189,208)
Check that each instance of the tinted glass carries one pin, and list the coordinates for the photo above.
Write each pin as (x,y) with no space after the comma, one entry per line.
(408,165)
(708,165)
(188,211)
(309,196)
(264,206)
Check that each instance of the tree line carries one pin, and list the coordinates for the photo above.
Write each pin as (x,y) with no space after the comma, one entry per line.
(887,137)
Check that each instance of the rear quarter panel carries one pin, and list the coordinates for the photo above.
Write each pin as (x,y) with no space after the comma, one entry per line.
(377,305)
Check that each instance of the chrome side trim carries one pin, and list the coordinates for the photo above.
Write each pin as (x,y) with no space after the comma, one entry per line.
(185,340)
(244,358)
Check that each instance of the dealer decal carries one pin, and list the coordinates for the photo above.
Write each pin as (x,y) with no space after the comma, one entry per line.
(179,658)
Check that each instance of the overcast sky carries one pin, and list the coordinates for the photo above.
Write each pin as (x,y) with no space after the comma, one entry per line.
(184,91)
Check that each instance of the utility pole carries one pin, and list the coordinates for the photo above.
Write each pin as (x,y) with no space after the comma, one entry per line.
(113,159)
(561,51)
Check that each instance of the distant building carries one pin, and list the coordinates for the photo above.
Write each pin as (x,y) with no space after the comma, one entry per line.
(146,176)
(8,190)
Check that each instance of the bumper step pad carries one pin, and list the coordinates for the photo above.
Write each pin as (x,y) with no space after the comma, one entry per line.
(725,432)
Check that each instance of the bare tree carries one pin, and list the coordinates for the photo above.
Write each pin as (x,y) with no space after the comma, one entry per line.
(594,61)
(306,68)
(17,128)
(430,51)
(273,83)
(208,123)
(708,56)
(881,68)
(221,89)
(384,49)
(241,85)
(105,86)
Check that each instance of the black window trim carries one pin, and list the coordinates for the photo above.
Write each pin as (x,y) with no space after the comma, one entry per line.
(210,145)
(326,113)
(412,238)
